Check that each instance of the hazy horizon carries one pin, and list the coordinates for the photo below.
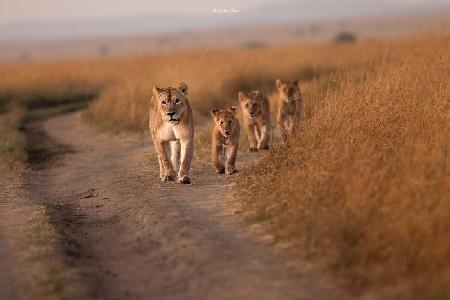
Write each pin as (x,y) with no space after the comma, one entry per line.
(52,19)
(25,11)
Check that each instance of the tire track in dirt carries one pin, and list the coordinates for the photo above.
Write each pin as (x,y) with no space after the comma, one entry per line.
(8,284)
(138,238)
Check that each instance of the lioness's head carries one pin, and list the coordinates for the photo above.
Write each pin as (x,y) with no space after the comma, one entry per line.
(225,120)
(172,102)
(289,91)
(251,103)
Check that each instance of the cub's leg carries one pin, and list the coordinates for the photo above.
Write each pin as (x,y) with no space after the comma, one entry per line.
(163,149)
(187,150)
(175,155)
(230,166)
(281,124)
(295,122)
(216,155)
(290,126)
(265,138)
(257,134)
(252,138)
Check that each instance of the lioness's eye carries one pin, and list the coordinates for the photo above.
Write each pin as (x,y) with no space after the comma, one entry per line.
(177,101)
(229,122)
(221,122)
(163,102)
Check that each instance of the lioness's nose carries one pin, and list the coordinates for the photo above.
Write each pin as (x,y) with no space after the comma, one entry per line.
(171,114)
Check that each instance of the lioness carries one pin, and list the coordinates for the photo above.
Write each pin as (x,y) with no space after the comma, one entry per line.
(225,140)
(171,122)
(289,105)
(256,115)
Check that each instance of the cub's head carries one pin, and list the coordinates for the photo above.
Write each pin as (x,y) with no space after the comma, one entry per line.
(251,103)
(172,103)
(225,120)
(289,91)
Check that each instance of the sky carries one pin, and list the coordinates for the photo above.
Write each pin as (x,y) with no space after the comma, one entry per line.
(15,11)
(35,11)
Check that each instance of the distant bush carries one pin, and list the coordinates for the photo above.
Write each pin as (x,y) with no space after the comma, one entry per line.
(345,37)
(104,49)
(24,56)
(253,44)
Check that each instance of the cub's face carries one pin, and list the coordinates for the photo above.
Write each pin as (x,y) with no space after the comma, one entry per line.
(225,120)
(288,90)
(251,103)
(172,102)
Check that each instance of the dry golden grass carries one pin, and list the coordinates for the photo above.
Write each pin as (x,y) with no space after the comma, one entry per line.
(364,189)
(215,76)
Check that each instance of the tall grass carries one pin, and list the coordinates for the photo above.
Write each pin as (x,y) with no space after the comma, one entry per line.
(364,189)
(215,76)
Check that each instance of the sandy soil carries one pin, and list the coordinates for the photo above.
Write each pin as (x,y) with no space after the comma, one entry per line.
(137,238)
(7,290)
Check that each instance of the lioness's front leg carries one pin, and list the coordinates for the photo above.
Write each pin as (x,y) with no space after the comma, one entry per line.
(230,167)
(175,154)
(162,149)
(265,138)
(217,150)
(252,138)
(161,168)
(187,150)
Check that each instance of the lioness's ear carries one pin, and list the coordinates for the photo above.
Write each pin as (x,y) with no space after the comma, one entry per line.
(214,112)
(234,109)
(241,96)
(156,90)
(183,88)
(279,83)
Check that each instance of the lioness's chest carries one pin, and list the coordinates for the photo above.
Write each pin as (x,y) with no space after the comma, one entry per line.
(167,133)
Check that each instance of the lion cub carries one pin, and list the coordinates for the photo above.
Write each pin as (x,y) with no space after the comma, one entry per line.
(289,105)
(256,115)
(172,129)
(225,140)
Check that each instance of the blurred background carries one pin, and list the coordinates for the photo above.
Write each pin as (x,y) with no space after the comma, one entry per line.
(55,29)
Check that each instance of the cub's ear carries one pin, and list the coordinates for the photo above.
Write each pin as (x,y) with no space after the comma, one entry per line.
(295,82)
(156,91)
(279,83)
(214,112)
(259,94)
(241,96)
(234,109)
(183,88)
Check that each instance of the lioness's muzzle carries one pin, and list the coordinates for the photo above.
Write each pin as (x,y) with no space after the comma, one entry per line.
(172,116)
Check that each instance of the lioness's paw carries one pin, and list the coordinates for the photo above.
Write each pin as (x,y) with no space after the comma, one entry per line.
(263,148)
(230,171)
(253,150)
(184,179)
(220,171)
(168,178)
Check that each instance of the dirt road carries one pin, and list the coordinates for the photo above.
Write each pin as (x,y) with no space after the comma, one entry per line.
(137,238)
